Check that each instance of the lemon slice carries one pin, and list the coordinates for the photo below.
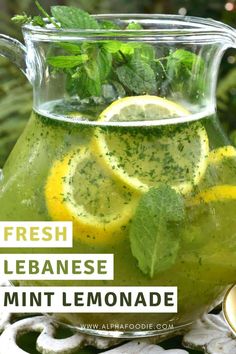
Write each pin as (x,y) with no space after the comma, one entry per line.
(141,108)
(221,168)
(78,190)
(216,156)
(214,194)
(143,157)
(210,230)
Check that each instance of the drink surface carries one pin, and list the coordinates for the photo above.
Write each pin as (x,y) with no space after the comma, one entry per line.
(104,173)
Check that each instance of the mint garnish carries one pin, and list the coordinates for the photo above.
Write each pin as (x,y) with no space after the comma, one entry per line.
(73,17)
(134,26)
(134,67)
(23,19)
(67,61)
(180,67)
(137,75)
(154,229)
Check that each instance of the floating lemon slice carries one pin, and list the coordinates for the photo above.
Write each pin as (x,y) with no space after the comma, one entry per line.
(214,194)
(221,168)
(78,190)
(216,156)
(141,108)
(142,157)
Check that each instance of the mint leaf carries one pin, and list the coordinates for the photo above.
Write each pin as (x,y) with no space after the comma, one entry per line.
(70,47)
(129,48)
(44,12)
(21,19)
(104,62)
(108,25)
(185,71)
(134,66)
(93,73)
(134,26)
(87,87)
(181,62)
(100,63)
(118,88)
(112,46)
(73,17)
(88,78)
(154,229)
(66,61)
(146,52)
(38,21)
(137,76)
(35,20)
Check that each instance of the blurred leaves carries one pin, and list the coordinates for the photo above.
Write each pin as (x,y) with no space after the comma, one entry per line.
(226,88)
(15,104)
(113,6)
(15,91)
(226,95)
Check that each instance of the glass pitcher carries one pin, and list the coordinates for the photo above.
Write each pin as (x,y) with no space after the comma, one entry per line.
(124,142)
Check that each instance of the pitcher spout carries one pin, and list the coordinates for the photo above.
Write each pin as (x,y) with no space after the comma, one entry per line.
(231,33)
(234,37)
(228,35)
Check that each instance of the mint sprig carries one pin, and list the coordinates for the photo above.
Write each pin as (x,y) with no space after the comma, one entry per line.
(186,73)
(137,76)
(67,61)
(72,17)
(130,68)
(154,235)
(24,19)
(44,13)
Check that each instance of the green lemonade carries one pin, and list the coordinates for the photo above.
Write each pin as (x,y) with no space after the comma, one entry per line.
(196,252)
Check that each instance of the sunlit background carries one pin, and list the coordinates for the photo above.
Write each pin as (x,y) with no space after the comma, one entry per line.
(15,92)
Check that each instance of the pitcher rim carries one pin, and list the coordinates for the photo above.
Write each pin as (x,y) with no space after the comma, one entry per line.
(198,26)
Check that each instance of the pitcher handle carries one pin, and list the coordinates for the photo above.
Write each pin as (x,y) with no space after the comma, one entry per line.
(14,50)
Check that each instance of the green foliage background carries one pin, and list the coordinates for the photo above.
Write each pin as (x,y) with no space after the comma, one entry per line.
(15,92)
